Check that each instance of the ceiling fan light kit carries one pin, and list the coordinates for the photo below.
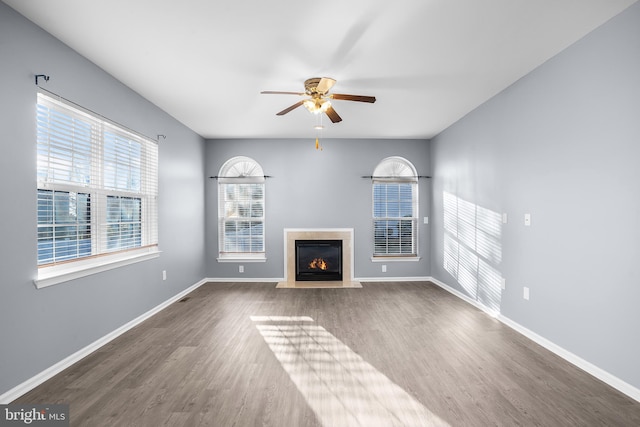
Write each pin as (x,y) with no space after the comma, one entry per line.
(318,101)
(317,105)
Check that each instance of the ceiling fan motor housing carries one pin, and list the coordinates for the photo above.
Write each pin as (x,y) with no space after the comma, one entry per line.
(311,85)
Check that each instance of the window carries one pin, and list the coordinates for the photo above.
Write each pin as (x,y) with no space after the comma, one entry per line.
(97,188)
(395,208)
(241,210)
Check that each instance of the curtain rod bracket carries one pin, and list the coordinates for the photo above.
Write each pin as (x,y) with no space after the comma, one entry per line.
(43,76)
(163,137)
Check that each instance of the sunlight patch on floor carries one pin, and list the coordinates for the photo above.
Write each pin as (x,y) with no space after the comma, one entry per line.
(281,318)
(339,385)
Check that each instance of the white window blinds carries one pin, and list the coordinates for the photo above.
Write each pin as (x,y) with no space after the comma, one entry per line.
(97,184)
(241,202)
(395,208)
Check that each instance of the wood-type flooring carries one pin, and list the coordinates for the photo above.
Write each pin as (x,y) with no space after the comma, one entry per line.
(406,354)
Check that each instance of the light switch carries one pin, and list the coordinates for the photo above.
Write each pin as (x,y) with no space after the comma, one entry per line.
(426,220)
(527,219)
(505,218)
(525,293)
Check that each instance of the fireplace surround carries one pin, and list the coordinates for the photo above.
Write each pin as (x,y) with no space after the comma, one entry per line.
(343,234)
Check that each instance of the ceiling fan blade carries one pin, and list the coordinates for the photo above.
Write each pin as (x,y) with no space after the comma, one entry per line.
(275,92)
(335,118)
(293,107)
(360,98)
(325,84)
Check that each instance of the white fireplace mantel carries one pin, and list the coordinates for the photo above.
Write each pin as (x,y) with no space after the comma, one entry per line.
(293,234)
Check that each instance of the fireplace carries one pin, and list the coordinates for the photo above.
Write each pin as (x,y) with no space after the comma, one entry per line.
(344,235)
(319,260)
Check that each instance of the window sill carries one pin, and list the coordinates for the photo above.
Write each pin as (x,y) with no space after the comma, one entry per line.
(242,258)
(49,276)
(411,258)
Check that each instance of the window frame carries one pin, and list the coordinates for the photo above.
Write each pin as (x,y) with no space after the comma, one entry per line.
(240,171)
(54,176)
(398,171)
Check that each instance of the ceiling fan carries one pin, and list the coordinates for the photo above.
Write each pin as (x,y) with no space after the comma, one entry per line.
(318,101)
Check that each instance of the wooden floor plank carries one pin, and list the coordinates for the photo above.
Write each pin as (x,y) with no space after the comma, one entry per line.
(386,354)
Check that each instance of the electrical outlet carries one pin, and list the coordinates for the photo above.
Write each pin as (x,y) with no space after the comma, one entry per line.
(384,268)
(241,269)
(164,274)
(426,220)
(527,219)
(525,293)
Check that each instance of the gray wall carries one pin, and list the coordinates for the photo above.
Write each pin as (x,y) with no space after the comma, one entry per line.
(317,189)
(41,327)
(563,144)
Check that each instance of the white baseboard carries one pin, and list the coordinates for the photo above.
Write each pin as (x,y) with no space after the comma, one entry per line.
(463,297)
(243,279)
(43,376)
(588,367)
(393,279)
(280,279)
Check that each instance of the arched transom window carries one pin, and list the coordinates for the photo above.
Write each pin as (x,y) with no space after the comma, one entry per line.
(241,209)
(395,208)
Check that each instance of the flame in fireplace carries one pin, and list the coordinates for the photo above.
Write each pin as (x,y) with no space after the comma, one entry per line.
(318,263)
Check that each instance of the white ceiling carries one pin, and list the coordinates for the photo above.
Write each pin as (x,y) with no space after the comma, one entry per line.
(428,62)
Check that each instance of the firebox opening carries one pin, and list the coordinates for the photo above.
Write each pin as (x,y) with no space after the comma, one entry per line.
(319,260)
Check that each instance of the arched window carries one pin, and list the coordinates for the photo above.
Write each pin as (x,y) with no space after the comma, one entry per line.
(241,209)
(395,208)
